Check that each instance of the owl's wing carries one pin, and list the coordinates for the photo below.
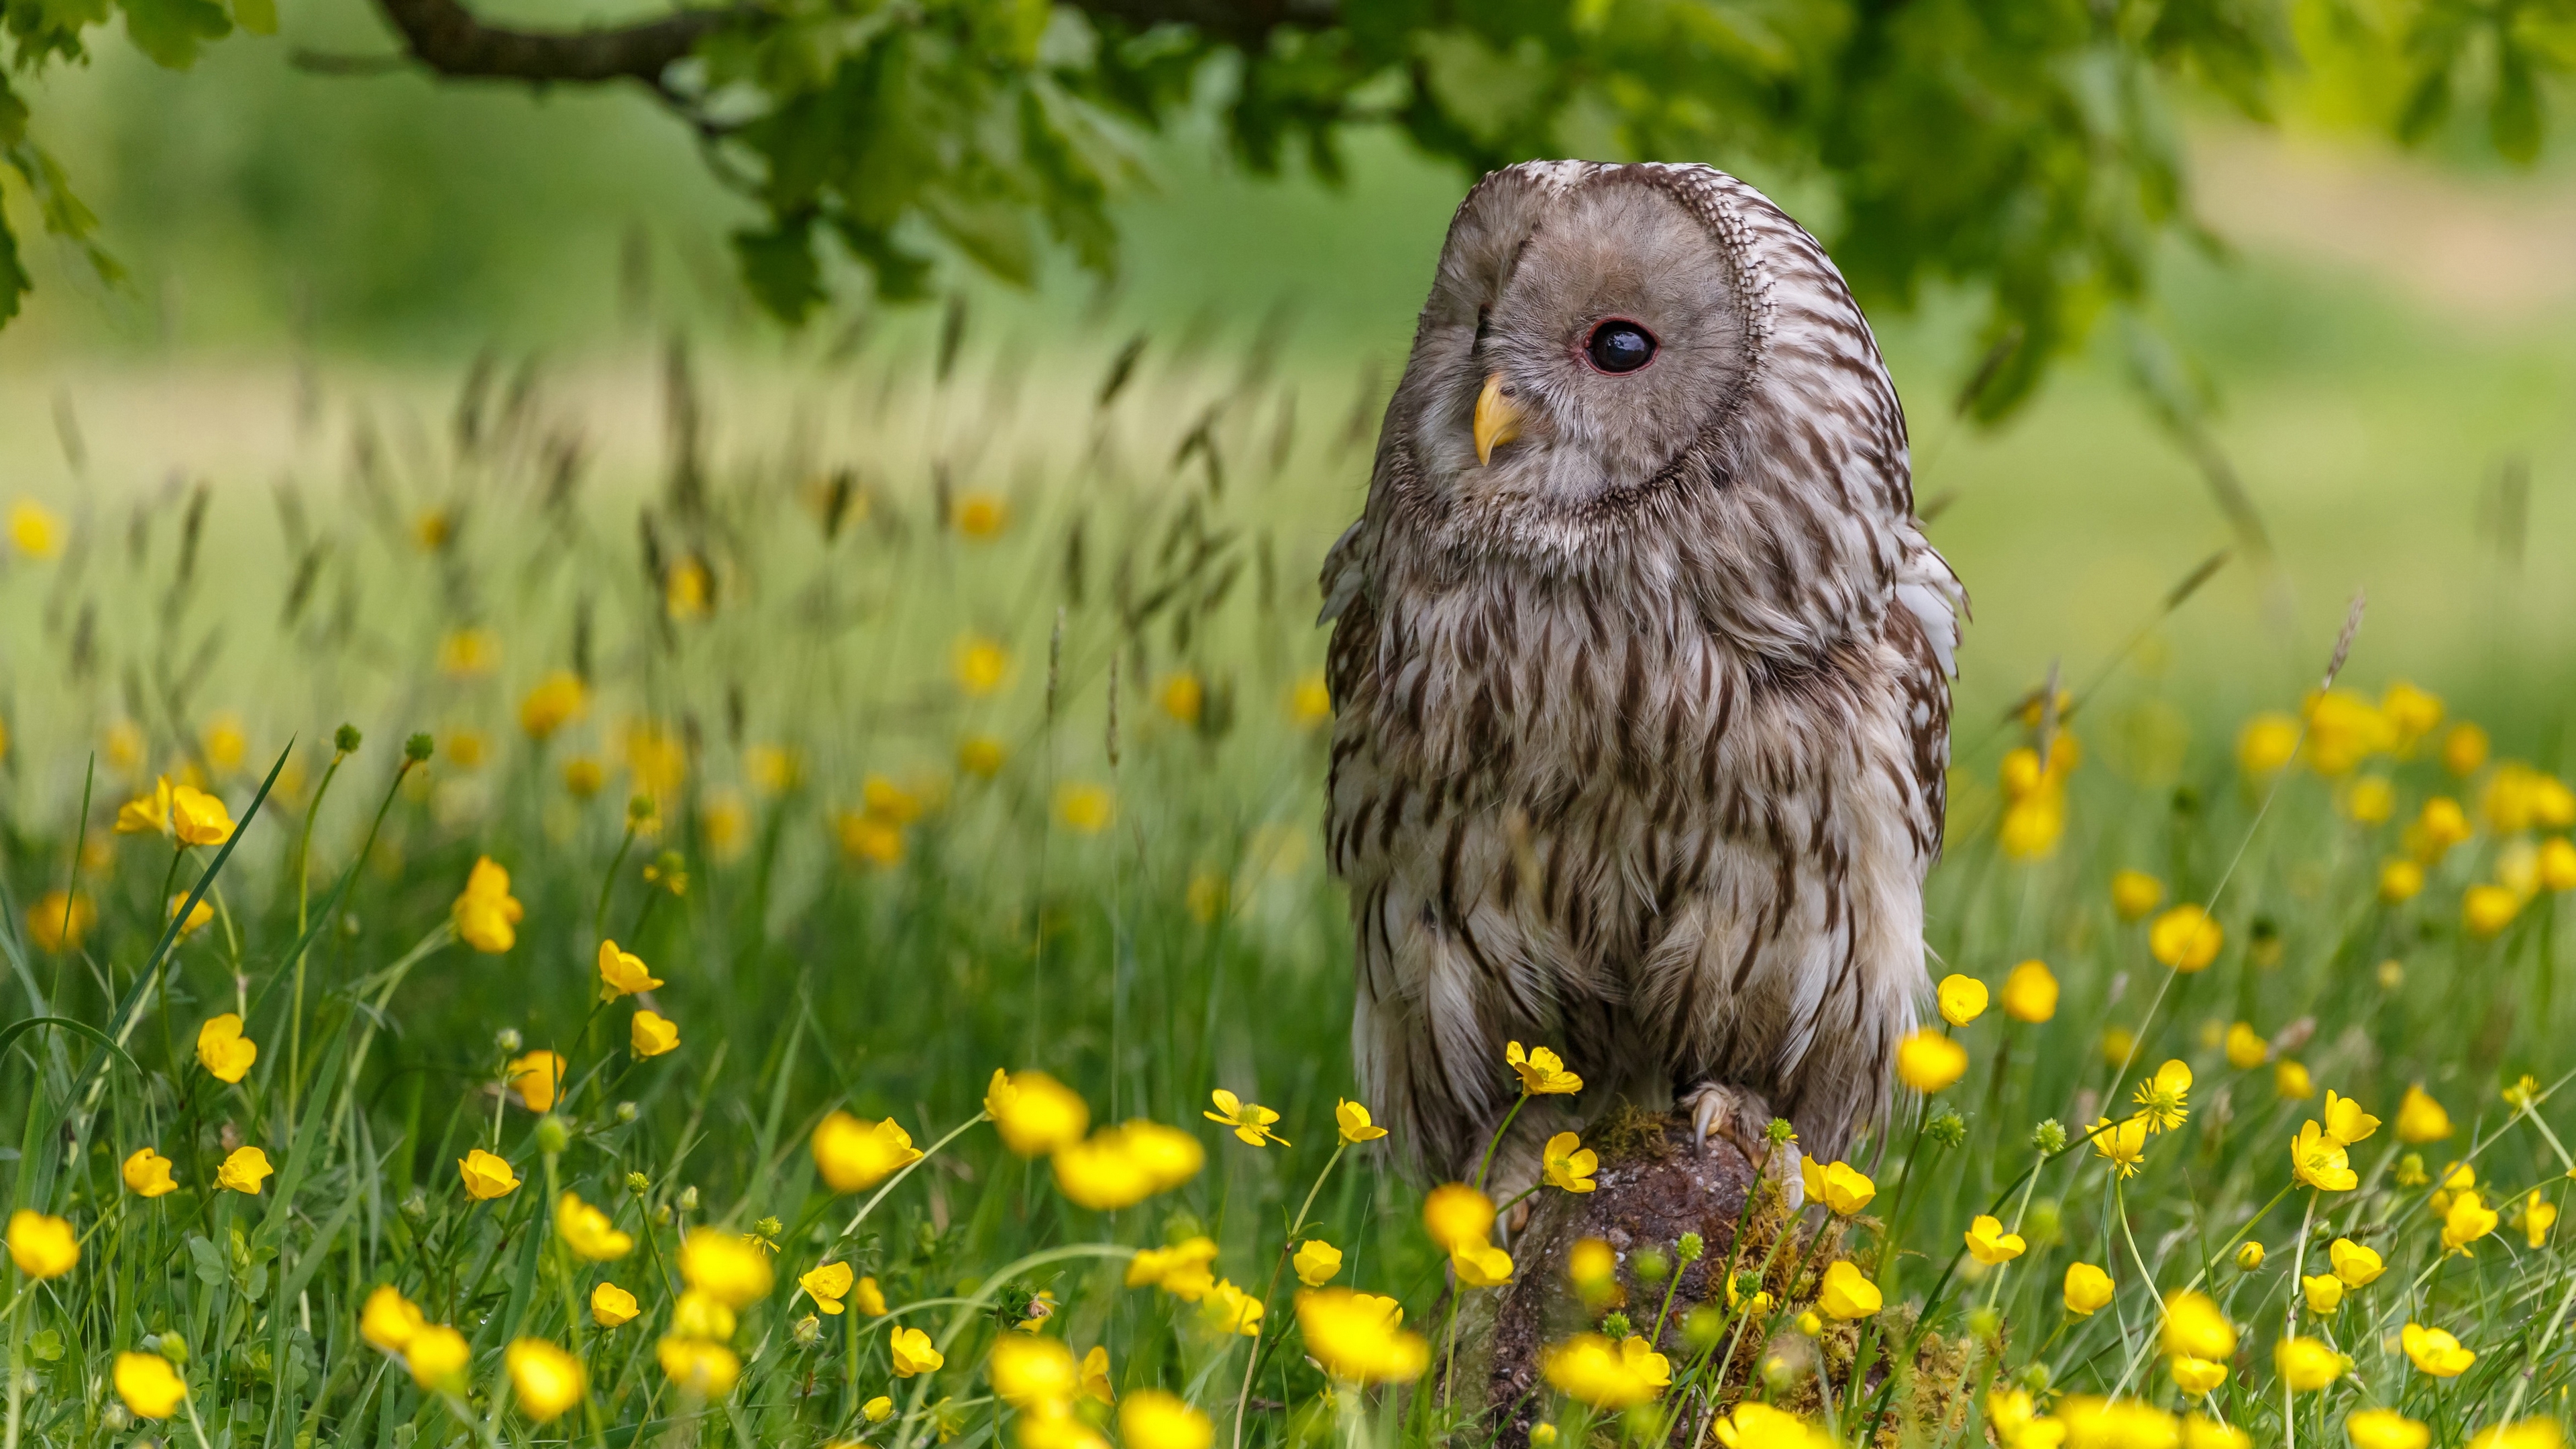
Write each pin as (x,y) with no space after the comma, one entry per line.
(1925,626)
(1345,568)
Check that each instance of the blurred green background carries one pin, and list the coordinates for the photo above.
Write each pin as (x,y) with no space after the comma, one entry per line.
(2387,339)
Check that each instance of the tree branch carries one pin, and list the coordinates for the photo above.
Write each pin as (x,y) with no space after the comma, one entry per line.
(446,37)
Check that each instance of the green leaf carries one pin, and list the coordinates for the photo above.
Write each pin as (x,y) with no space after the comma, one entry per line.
(778,266)
(259,17)
(172,31)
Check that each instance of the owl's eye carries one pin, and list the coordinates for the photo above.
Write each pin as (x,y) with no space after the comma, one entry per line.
(1620,345)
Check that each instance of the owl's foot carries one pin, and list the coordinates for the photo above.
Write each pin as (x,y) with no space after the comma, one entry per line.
(1739,1115)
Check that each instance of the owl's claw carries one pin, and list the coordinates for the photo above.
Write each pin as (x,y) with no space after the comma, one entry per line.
(1713,1108)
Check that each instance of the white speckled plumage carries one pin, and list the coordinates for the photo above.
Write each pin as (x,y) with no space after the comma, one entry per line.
(1640,729)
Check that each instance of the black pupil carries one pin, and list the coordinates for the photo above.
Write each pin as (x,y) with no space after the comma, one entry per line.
(1620,347)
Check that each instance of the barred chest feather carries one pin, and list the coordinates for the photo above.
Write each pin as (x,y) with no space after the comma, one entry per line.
(1614,829)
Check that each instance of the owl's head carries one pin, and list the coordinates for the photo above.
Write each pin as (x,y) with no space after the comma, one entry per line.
(1609,343)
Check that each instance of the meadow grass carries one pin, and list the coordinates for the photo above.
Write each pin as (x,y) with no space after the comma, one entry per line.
(986,735)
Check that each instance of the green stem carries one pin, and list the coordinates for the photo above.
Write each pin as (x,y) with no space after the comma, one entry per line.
(1496,1142)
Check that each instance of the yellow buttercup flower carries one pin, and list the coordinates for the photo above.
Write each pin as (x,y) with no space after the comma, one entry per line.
(1085,809)
(558,700)
(147,814)
(2487,909)
(147,1174)
(2134,893)
(244,1170)
(2356,1265)
(2123,1142)
(1962,998)
(2030,993)
(651,1034)
(41,1245)
(150,1387)
(2537,1217)
(388,1320)
(2195,1327)
(1250,1121)
(2164,1100)
(537,1077)
(2012,1412)
(2466,1220)
(1316,1262)
(1028,1372)
(1838,1185)
(1755,1425)
(853,1155)
(1481,1265)
(37,532)
(2185,938)
(1310,702)
(2319,1161)
(981,664)
(2400,881)
(486,914)
(2267,743)
(544,1379)
(2246,1048)
(486,1175)
(2435,1351)
(912,1353)
(2386,1429)
(2464,749)
(2291,1082)
(868,1298)
(702,1315)
(1180,1270)
(2369,800)
(1182,697)
(828,1284)
(1989,1243)
(2324,1292)
(982,516)
(1353,1120)
(2305,1364)
(1154,1419)
(437,1357)
(612,1306)
(197,918)
(725,1268)
(1359,1338)
(2420,1118)
(60,922)
(2196,1376)
(2087,1288)
(1542,1072)
(1095,1376)
(1605,1375)
(198,818)
(1568,1164)
(2345,1122)
(1847,1295)
(588,1231)
(1456,1215)
(1121,1166)
(222,1049)
(1927,1061)
(2249,1256)
(703,1367)
(622,972)
(1035,1113)
(2541,1433)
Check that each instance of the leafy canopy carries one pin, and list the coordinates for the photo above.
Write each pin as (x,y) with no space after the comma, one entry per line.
(2025,151)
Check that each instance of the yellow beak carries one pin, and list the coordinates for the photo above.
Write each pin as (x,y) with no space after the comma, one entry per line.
(1498,419)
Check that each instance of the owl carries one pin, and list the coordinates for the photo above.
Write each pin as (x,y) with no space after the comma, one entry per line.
(1640,670)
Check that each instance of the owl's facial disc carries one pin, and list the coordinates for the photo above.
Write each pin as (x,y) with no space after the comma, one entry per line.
(1574,345)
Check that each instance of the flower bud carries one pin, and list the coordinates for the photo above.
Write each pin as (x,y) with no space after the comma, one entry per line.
(1617,1326)
(638,1184)
(346,739)
(1690,1248)
(628,1111)
(639,808)
(507,1039)
(175,1349)
(415,1205)
(1983,1322)
(662,1216)
(114,1419)
(553,1134)
(418,748)
(1809,1324)
(688,1199)
(1650,1265)
(1946,1130)
(808,1330)
(2049,1137)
